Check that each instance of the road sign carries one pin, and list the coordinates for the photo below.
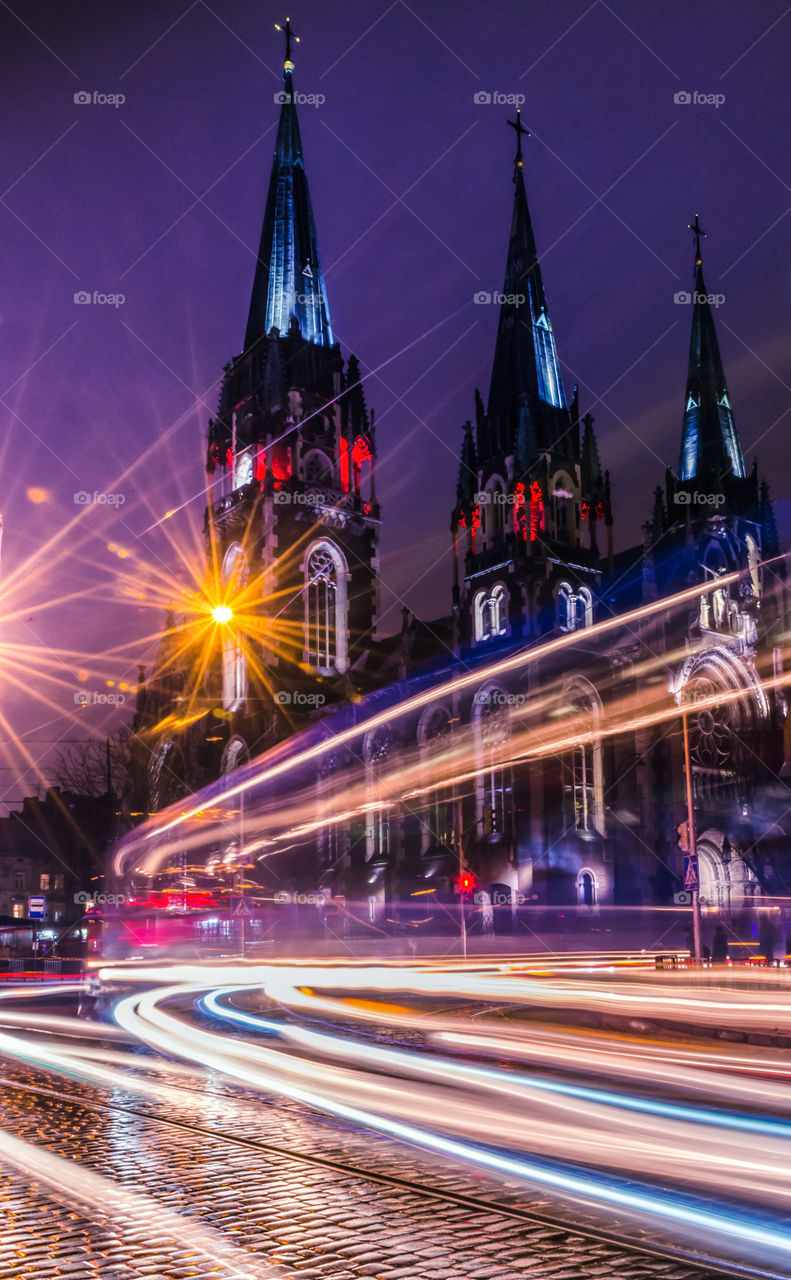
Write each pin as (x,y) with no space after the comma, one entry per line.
(36,909)
(691,878)
(241,907)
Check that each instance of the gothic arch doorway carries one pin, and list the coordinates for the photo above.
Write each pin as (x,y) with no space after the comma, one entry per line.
(586,888)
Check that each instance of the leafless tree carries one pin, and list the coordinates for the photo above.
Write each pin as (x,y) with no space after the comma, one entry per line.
(82,766)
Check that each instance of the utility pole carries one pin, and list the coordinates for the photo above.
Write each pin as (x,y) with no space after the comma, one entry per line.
(460,843)
(691,875)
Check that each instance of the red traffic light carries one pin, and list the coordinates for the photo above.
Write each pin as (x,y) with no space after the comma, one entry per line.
(466,882)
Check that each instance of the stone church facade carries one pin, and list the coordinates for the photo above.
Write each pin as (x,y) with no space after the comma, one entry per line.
(584,808)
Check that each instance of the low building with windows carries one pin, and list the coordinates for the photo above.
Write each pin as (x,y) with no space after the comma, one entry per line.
(52,854)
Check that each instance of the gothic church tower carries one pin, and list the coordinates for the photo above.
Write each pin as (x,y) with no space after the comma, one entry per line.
(533,516)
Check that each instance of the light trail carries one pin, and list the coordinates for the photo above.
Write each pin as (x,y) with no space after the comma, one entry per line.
(764,1176)
(443,1068)
(444,690)
(714,1177)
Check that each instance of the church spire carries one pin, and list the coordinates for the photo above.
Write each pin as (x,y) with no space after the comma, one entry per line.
(288,282)
(525,359)
(710,448)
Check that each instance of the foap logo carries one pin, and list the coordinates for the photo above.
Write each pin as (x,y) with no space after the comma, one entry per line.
(300,99)
(484,298)
(83,498)
(684,297)
(287,698)
(83,298)
(88,698)
(683,498)
(300,899)
(496,698)
(314,498)
(494,498)
(497,898)
(99,899)
(497,98)
(694,98)
(86,98)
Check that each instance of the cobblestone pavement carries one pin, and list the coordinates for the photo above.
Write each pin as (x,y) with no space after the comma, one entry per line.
(290,1217)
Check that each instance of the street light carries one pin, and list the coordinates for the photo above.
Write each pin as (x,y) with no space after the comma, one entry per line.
(221,613)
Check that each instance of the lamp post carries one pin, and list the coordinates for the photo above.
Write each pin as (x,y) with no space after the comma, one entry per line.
(691,876)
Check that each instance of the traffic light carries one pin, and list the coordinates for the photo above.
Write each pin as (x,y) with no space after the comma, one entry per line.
(466,882)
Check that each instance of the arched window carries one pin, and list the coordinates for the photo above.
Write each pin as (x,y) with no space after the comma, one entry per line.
(583,608)
(376,752)
(328,835)
(494,787)
(166,776)
(362,468)
(520,512)
(567,618)
(563,508)
(326,637)
(490,613)
(234,755)
(582,767)
(493,509)
(434,739)
(537,512)
(234,662)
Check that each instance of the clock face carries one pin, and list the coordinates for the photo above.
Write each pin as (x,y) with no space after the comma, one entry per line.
(242,469)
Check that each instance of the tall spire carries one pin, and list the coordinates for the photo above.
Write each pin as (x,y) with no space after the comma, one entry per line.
(288,279)
(525,358)
(710,448)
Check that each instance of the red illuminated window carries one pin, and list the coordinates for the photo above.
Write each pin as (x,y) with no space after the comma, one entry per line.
(537,519)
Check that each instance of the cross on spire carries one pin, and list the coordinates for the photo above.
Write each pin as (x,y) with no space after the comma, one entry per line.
(697,232)
(520,132)
(289,34)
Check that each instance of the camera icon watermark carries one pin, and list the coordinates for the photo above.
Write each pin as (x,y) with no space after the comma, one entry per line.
(683,898)
(684,297)
(497,98)
(82,498)
(313,498)
(686,98)
(83,298)
(99,899)
(683,498)
(496,698)
(299,99)
(483,298)
(90,698)
(85,98)
(494,498)
(497,898)
(283,897)
(294,698)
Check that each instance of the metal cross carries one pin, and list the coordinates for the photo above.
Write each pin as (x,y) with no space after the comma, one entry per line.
(520,131)
(288,33)
(697,232)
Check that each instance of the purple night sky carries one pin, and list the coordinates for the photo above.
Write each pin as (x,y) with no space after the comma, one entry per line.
(161,199)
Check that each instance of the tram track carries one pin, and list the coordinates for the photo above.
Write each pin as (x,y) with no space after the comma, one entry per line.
(570,1238)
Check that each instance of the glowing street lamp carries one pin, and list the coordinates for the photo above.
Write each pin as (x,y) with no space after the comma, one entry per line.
(221,613)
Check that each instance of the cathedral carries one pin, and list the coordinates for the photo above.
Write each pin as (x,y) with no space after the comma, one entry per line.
(584,668)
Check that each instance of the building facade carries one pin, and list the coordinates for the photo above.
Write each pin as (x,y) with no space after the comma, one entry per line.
(552,755)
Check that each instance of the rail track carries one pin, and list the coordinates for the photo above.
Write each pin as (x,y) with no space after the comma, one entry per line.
(539,1235)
